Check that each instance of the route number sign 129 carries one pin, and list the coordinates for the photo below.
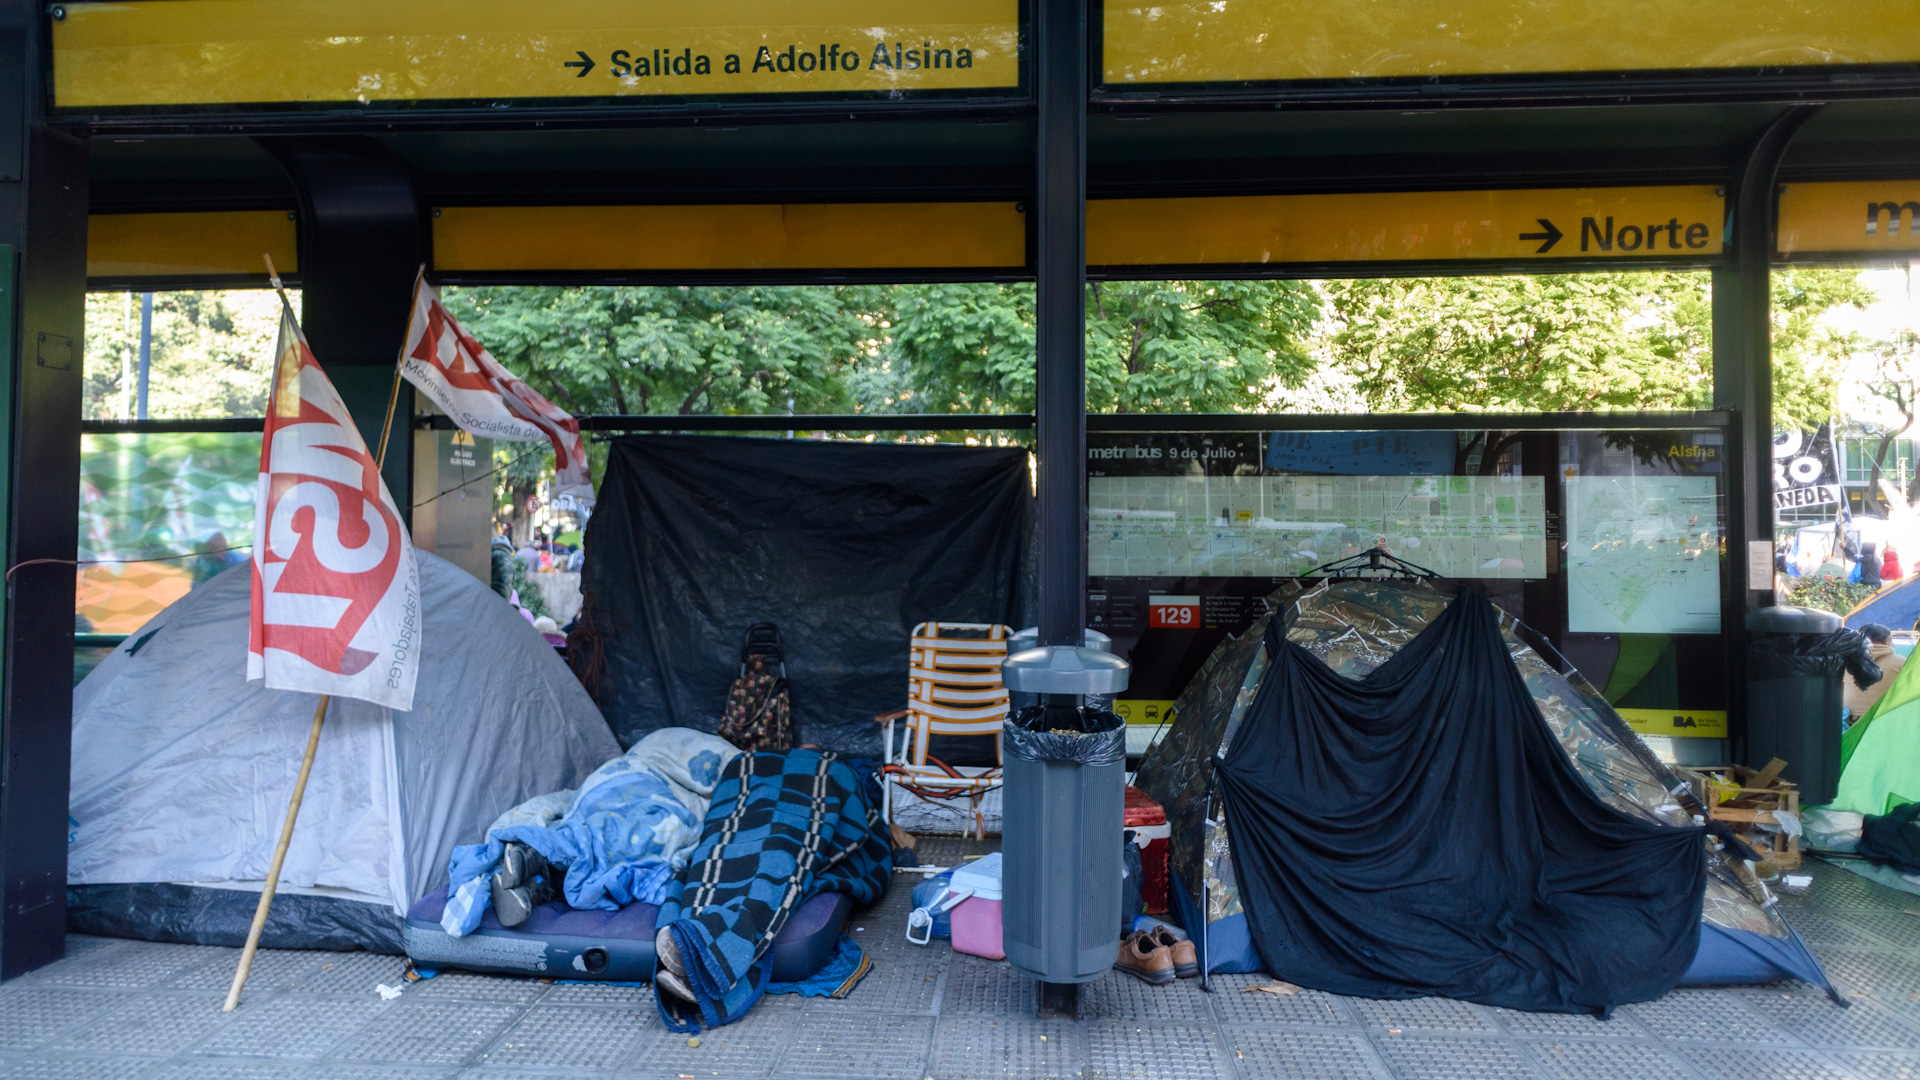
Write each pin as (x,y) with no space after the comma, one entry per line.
(1173,612)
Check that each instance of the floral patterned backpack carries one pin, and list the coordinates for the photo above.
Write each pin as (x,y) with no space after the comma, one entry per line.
(758,714)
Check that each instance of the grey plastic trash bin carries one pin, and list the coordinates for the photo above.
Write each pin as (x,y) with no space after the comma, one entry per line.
(1064,804)
(1793,715)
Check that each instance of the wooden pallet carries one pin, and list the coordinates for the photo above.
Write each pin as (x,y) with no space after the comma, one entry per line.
(1745,798)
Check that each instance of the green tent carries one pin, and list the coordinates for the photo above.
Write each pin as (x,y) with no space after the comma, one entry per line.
(1880,755)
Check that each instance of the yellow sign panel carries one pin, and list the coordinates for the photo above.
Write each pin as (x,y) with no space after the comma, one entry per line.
(231,52)
(1869,216)
(1143,711)
(1197,41)
(1677,723)
(225,243)
(823,236)
(1559,223)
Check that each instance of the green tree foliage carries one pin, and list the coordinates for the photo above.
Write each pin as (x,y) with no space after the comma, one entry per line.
(1576,342)
(1152,346)
(1638,340)
(521,582)
(1196,346)
(1834,594)
(689,350)
(951,348)
(1809,354)
(1522,344)
(212,353)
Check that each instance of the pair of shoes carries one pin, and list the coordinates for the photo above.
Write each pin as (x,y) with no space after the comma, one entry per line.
(1146,959)
(524,881)
(1157,957)
(672,973)
(1186,963)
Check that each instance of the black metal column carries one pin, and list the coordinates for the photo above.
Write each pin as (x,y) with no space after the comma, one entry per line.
(43,284)
(1060,308)
(361,242)
(1743,383)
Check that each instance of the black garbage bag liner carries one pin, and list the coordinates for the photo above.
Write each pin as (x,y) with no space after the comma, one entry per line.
(844,545)
(1774,655)
(1033,736)
(1420,832)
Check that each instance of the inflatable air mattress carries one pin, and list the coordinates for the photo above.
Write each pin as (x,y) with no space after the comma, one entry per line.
(612,946)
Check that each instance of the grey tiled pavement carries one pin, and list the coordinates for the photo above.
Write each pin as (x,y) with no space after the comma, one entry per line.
(142,1011)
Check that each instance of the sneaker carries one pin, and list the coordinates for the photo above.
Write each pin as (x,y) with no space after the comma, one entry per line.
(1145,959)
(524,881)
(514,870)
(1186,964)
(512,905)
(673,984)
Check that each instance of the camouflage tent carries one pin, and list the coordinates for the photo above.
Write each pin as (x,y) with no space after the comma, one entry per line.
(1355,625)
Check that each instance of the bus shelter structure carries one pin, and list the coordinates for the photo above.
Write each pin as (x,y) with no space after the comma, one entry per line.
(154,144)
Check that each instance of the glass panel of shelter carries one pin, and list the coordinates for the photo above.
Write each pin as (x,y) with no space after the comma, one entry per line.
(1606,541)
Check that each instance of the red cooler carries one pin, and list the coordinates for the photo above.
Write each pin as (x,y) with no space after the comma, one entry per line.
(1149,824)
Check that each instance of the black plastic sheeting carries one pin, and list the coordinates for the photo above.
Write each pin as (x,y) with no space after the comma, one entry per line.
(194,915)
(1420,832)
(1774,655)
(845,546)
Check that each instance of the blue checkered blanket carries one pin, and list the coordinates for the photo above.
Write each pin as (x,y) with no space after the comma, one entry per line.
(781,828)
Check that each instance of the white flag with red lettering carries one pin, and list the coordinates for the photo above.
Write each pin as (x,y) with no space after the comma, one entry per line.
(336,593)
(484,398)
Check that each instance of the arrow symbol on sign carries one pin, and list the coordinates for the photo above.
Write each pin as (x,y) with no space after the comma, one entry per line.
(585,64)
(1551,236)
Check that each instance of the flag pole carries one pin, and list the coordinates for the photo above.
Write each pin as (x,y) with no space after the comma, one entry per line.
(399,366)
(306,761)
(279,857)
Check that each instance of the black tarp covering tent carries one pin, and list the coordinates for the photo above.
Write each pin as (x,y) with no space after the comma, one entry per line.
(1353,628)
(1419,832)
(845,545)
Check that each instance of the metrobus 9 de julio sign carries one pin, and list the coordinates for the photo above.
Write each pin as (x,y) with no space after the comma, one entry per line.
(195,53)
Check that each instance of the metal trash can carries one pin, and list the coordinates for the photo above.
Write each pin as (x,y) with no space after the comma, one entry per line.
(1793,700)
(1064,805)
(1028,639)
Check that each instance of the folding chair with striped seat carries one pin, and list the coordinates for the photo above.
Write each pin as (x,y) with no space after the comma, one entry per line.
(953,688)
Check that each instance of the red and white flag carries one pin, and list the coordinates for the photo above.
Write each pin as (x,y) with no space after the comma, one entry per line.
(336,593)
(483,397)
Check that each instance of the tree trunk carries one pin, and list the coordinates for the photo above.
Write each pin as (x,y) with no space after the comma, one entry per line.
(1491,459)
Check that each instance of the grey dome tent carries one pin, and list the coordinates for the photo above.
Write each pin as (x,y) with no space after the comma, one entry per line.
(1357,625)
(181,771)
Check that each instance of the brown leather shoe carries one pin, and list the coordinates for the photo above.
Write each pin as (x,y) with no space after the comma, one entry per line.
(1186,963)
(1144,959)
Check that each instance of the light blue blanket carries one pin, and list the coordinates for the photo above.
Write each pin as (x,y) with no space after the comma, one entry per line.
(622,836)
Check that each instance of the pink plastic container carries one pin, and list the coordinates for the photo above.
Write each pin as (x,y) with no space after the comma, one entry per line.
(976,920)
